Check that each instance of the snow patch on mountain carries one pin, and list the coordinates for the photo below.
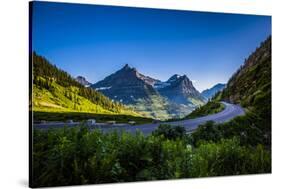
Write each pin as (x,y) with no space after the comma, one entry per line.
(160,85)
(103,88)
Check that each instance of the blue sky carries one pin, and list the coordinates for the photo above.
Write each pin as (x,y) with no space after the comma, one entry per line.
(95,41)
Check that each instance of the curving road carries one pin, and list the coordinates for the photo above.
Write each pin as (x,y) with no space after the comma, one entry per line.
(230,111)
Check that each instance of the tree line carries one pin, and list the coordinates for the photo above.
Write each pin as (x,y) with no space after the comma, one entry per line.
(42,68)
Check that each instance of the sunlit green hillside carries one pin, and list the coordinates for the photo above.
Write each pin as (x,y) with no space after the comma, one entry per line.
(61,99)
(209,108)
(56,91)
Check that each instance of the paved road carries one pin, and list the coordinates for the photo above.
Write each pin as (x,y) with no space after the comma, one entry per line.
(230,111)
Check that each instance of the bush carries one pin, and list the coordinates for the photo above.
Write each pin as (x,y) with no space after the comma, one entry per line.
(206,132)
(211,107)
(229,158)
(248,128)
(170,132)
(73,156)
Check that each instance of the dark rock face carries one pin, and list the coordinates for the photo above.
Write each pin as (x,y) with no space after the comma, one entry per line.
(82,80)
(179,89)
(209,93)
(126,85)
(175,97)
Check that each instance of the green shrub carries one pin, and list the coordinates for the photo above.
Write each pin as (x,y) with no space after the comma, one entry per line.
(73,156)
(228,157)
(170,132)
(211,107)
(206,132)
(248,128)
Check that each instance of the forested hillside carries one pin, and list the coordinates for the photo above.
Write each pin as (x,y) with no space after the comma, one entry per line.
(251,84)
(54,90)
(250,87)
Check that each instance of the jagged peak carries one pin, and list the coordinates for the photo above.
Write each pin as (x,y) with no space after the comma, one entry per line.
(126,67)
(177,77)
(80,77)
(174,78)
(82,80)
(185,77)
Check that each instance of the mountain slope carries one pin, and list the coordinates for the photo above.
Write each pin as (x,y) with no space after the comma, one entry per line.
(251,84)
(56,91)
(162,100)
(126,86)
(209,93)
(134,89)
(180,90)
(82,80)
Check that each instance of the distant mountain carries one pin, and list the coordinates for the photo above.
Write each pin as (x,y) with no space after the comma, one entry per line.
(173,98)
(180,90)
(136,90)
(126,85)
(82,80)
(209,93)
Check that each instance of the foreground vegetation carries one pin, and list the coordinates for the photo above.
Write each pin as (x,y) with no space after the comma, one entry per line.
(83,116)
(79,156)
